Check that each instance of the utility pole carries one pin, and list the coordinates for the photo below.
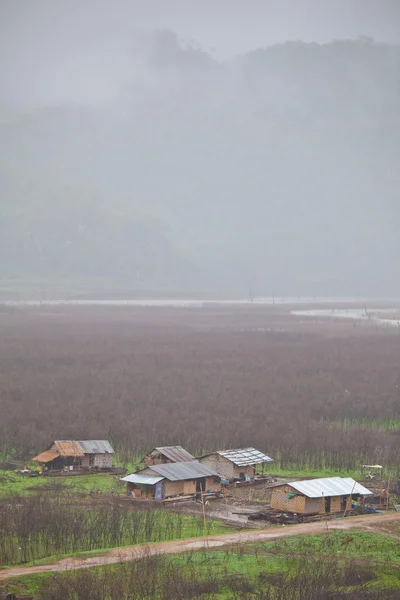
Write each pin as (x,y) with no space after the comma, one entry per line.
(204,515)
(348,503)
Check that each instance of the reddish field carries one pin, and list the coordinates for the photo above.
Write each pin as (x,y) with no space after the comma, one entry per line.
(204,378)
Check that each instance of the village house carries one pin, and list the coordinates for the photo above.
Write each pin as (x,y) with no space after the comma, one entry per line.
(235,464)
(172,480)
(72,455)
(317,496)
(167,454)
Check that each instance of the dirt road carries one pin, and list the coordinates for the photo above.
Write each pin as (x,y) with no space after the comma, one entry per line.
(369,522)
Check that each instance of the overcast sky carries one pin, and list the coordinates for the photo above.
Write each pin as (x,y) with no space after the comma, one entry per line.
(56,50)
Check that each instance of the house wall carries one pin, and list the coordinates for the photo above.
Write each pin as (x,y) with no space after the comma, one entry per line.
(213,484)
(186,487)
(225,468)
(85,461)
(313,506)
(336,505)
(248,471)
(302,504)
(102,461)
(176,488)
(280,500)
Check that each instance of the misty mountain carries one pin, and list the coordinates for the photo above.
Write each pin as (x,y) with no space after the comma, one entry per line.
(276,170)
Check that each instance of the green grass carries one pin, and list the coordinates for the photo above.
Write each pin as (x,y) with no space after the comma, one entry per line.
(377,551)
(270,559)
(189,530)
(233,562)
(368,423)
(356,544)
(309,471)
(145,527)
(50,560)
(201,563)
(28,585)
(12,484)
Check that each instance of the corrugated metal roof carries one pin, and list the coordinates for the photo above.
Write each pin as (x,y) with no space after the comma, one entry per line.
(46,456)
(81,447)
(242,457)
(329,486)
(182,471)
(175,453)
(142,479)
(96,446)
(68,448)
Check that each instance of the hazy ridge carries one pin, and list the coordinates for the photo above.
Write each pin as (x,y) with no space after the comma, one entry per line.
(275,171)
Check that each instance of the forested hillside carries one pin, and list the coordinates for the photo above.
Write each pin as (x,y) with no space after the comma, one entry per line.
(277,170)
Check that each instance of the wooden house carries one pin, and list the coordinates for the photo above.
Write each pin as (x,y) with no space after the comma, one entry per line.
(72,455)
(172,480)
(167,454)
(235,464)
(317,496)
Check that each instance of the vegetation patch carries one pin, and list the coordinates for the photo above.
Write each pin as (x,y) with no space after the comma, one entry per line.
(12,483)
(317,404)
(45,527)
(355,544)
(219,575)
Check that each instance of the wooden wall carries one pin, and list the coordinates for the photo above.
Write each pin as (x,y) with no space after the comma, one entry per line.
(336,505)
(213,484)
(176,488)
(302,504)
(281,501)
(225,468)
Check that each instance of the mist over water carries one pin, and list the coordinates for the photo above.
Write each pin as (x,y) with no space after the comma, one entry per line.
(206,147)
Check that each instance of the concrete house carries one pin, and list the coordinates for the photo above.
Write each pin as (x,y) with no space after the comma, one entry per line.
(167,454)
(74,455)
(235,464)
(172,480)
(316,496)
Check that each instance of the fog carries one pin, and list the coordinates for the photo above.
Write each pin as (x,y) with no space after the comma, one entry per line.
(177,146)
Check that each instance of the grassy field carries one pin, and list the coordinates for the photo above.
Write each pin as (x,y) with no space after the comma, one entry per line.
(53,525)
(375,424)
(190,529)
(369,546)
(12,484)
(303,470)
(367,563)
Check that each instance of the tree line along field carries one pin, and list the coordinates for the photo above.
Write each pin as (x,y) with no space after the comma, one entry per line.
(313,396)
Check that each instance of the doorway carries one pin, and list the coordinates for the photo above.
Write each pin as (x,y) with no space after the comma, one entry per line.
(201,485)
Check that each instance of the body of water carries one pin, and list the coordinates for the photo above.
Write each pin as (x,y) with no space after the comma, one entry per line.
(184,303)
(376,316)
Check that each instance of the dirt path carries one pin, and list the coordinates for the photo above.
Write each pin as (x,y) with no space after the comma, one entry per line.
(179,546)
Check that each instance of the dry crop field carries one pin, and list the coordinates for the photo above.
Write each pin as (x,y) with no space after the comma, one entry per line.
(311,394)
